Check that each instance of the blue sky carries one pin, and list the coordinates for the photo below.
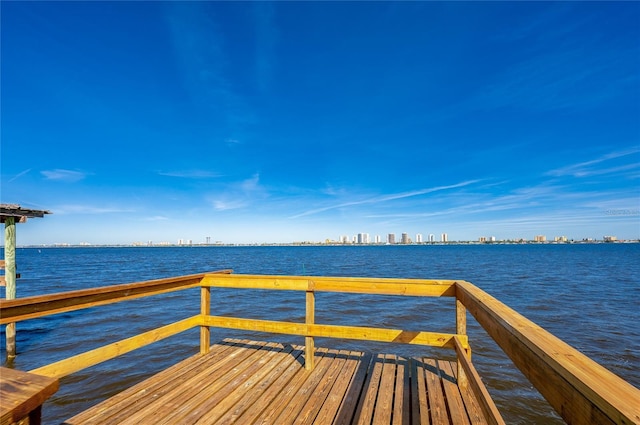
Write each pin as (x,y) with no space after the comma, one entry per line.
(278,122)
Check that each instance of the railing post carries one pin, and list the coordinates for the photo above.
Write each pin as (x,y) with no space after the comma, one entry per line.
(205,310)
(461,329)
(309,320)
(10,277)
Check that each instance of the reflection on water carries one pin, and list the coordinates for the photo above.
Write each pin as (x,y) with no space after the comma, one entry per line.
(585,294)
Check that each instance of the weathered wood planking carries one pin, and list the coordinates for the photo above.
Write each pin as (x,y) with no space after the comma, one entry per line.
(242,382)
(579,389)
(3,281)
(22,395)
(10,281)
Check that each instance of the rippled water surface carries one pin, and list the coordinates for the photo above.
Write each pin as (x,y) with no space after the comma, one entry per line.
(585,294)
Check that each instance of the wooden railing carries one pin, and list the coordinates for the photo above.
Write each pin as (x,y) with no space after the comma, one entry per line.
(580,390)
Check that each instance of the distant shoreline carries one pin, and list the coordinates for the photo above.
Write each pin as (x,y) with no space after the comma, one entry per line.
(324,244)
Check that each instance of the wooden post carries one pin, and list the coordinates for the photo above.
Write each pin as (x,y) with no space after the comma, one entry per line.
(205,310)
(309,347)
(10,278)
(461,329)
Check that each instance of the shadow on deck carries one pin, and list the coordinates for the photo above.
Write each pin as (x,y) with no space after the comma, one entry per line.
(246,382)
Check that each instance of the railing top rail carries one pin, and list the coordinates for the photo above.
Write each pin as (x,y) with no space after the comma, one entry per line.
(581,390)
(363,285)
(43,305)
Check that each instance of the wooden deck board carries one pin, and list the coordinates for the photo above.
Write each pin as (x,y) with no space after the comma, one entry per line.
(184,397)
(249,382)
(158,385)
(336,398)
(457,412)
(437,405)
(386,391)
(364,412)
(248,409)
(401,410)
(420,406)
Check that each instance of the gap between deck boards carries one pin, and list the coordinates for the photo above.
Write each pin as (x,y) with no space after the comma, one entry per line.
(253,382)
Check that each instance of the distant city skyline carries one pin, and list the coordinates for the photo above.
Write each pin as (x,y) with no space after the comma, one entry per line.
(274,122)
(538,239)
(364,238)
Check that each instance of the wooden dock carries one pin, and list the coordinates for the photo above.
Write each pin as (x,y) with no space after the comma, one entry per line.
(238,381)
(247,382)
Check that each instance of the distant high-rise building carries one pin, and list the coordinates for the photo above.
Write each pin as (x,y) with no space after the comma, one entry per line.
(378,240)
(540,238)
(391,238)
(444,238)
(419,238)
(492,239)
(405,238)
(208,240)
(482,239)
(432,238)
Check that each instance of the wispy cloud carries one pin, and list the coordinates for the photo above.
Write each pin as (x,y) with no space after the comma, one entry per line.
(191,174)
(385,198)
(522,211)
(477,204)
(156,218)
(229,204)
(20,174)
(69,176)
(90,209)
(584,169)
(239,195)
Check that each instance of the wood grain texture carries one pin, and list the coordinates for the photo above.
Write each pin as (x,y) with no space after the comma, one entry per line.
(433,339)
(45,305)
(90,358)
(472,379)
(241,382)
(407,287)
(22,393)
(578,388)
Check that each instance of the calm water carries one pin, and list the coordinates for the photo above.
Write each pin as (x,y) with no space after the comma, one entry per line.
(585,294)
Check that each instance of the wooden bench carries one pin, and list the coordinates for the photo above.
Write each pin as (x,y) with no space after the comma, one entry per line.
(22,395)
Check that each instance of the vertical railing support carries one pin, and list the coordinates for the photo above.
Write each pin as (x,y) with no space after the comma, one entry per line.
(205,310)
(461,329)
(10,279)
(309,345)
